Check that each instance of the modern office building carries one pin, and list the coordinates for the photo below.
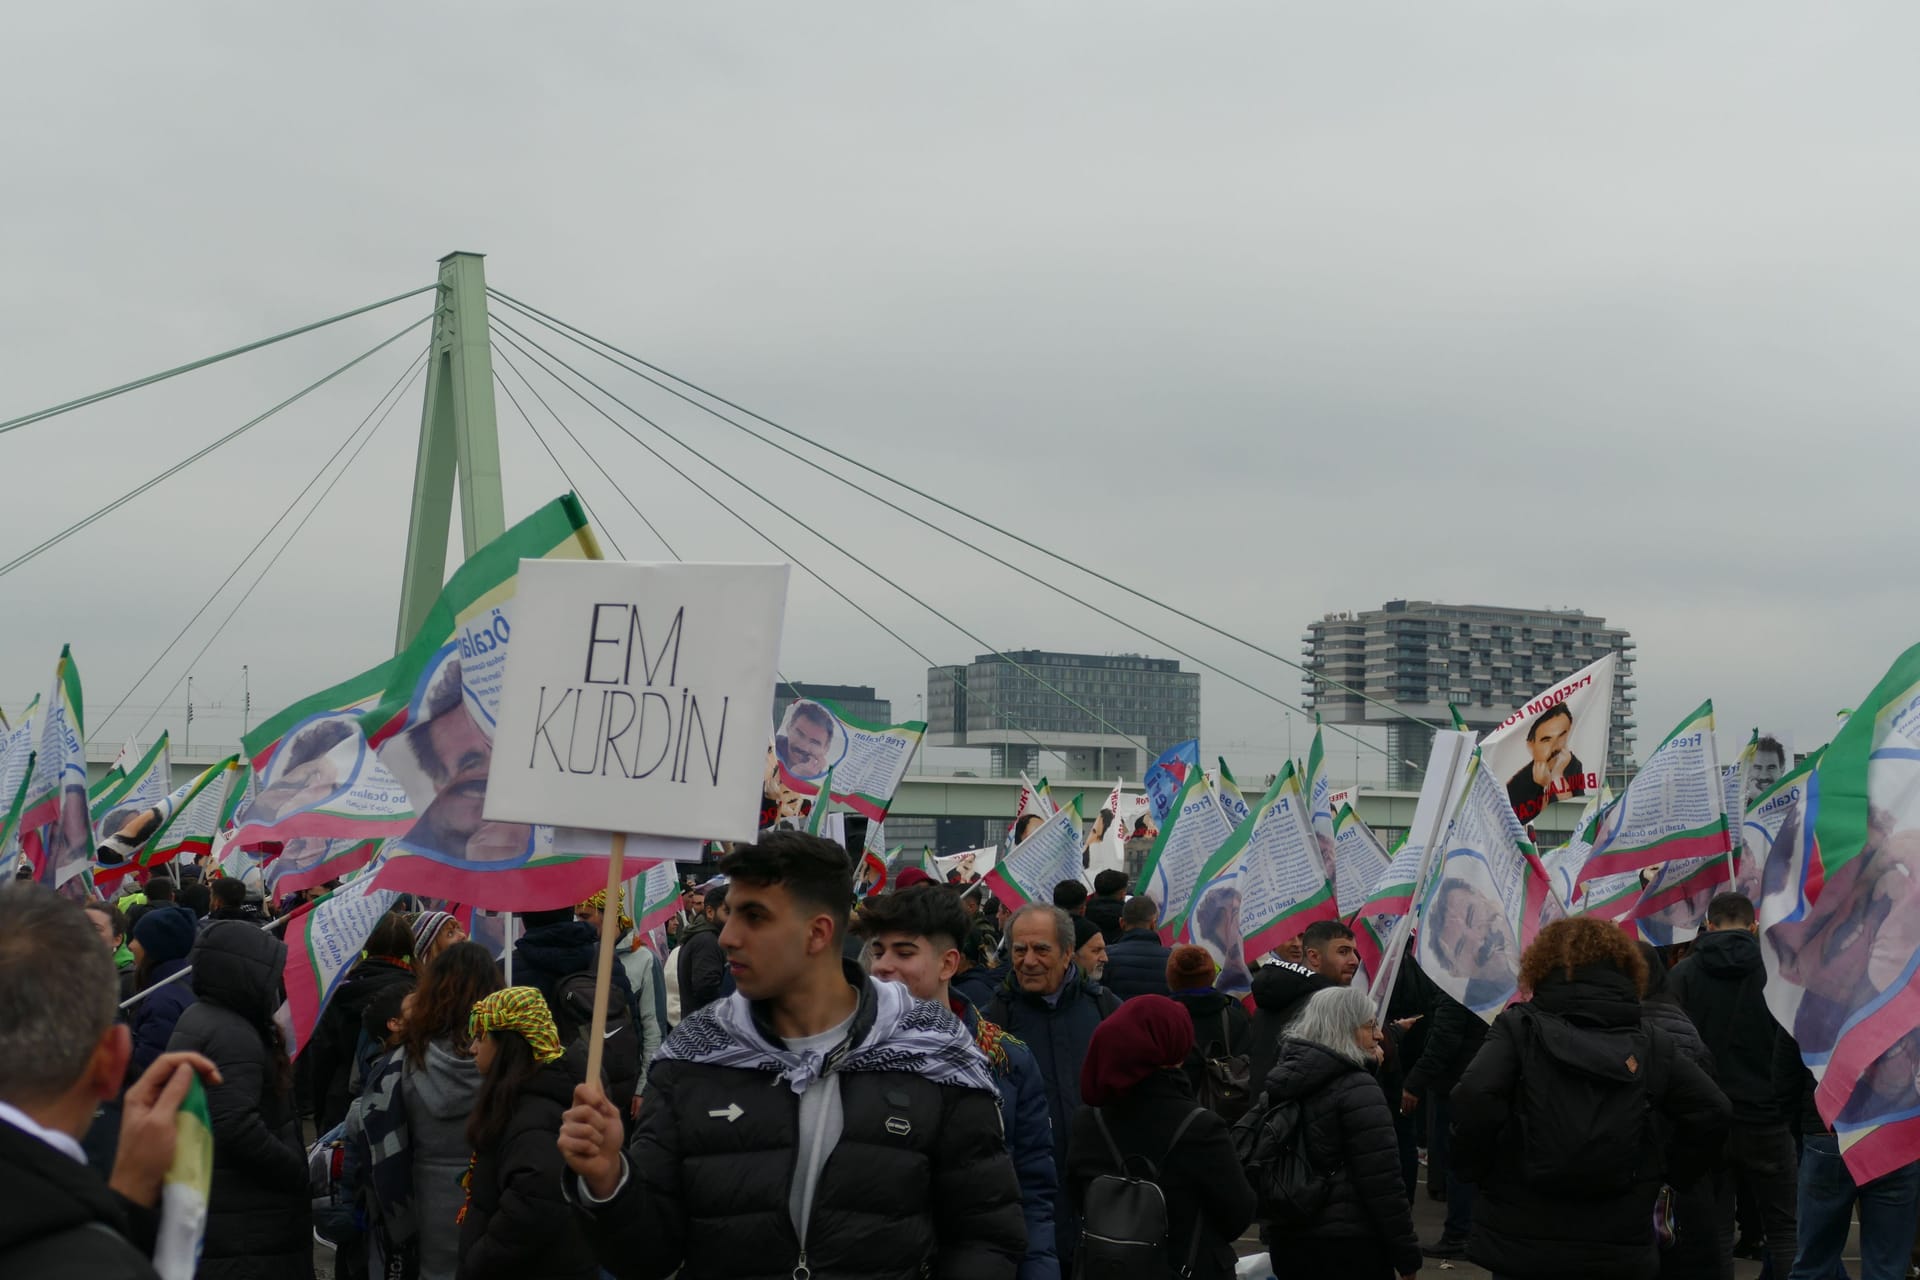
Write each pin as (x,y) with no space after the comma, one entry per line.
(1015,704)
(1417,656)
(857,700)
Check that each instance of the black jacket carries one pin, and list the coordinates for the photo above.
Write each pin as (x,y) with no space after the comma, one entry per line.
(1057,1034)
(1279,991)
(1137,965)
(58,1220)
(703,967)
(978,985)
(1201,1177)
(1696,1250)
(259,1218)
(1350,1135)
(545,956)
(1523,1230)
(1217,1019)
(1105,912)
(1454,1036)
(336,1036)
(152,1020)
(518,1226)
(1720,986)
(920,1178)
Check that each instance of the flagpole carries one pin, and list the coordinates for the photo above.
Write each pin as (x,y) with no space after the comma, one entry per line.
(507,960)
(138,996)
(603,968)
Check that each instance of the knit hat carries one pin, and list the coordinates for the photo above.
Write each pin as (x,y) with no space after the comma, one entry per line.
(1146,1034)
(165,932)
(1190,968)
(598,902)
(426,927)
(1084,931)
(523,1011)
(910,877)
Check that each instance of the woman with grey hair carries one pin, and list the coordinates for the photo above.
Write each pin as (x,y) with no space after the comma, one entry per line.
(1366,1228)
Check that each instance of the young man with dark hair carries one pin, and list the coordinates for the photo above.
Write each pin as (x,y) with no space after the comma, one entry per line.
(750,1096)
(1071,897)
(62,1053)
(1108,901)
(1721,985)
(914,938)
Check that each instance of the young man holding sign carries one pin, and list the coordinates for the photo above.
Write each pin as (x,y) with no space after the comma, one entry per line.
(751,1095)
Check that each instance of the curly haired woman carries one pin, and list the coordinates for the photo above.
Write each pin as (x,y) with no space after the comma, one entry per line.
(1574,1114)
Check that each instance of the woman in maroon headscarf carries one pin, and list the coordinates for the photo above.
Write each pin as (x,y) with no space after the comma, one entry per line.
(1132,1079)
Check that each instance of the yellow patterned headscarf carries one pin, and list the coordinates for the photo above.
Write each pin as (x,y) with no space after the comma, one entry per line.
(523,1011)
(598,902)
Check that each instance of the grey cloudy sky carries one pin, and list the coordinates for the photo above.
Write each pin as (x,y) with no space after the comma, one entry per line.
(1275,309)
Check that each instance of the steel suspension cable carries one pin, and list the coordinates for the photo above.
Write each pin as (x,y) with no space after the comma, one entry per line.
(560,466)
(569,331)
(1068,698)
(38,415)
(817,576)
(267,568)
(406,376)
(196,456)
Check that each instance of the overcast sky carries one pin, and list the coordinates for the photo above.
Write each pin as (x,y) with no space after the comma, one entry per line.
(1270,309)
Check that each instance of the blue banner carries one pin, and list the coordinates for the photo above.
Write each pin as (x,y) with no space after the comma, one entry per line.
(1168,774)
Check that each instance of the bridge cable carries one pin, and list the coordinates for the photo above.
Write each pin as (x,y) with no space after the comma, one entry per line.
(569,331)
(290,539)
(1095,716)
(192,458)
(778,547)
(38,415)
(560,466)
(406,375)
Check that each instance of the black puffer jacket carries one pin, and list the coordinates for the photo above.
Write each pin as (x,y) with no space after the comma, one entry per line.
(337,1035)
(1721,986)
(1350,1134)
(1200,1177)
(1105,912)
(1279,991)
(703,967)
(517,1225)
(259,1219)
(1137,965)
(919,1183)
(1591,1023)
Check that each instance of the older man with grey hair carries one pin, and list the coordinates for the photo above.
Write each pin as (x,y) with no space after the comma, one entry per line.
(1051,1006)
(61,1055)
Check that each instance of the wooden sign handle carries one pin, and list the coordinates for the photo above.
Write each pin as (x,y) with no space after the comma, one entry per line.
(603,970)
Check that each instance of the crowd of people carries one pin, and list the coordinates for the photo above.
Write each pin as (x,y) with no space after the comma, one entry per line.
(802,1084)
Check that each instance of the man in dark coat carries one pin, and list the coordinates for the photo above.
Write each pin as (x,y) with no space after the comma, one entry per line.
(1108,901)
(1720,985)
(1137,963)
(703,972)
(1454,1036)
(1281,990)
(751,1095)
(913,938)
(1052,1008)
(62,1054)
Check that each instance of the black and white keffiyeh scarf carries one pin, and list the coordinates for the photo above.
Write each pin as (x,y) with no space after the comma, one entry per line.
(891,1032)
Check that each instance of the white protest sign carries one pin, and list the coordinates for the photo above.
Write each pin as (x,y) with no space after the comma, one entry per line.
(636,697)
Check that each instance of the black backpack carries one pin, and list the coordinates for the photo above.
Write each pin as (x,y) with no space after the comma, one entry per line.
(1271,1141)
(1123,1218)
(1223,1084)
(573,1019)
(1584,1120)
